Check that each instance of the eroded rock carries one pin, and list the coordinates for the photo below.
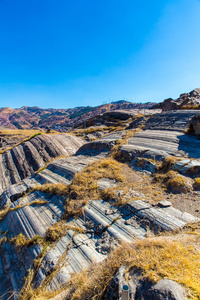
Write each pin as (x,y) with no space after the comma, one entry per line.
(23,160)
(165,289)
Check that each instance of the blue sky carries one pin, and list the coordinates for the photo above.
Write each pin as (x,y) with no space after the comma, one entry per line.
(68,53)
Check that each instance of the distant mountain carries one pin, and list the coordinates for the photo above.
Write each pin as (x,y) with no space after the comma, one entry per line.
(33,117)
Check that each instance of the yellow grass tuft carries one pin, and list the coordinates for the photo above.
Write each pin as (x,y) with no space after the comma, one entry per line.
(173,181)
(85,183)
(59,229)
(53,188)
(197,183)
(21,241)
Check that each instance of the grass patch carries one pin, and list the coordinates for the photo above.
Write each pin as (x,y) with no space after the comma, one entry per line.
(85,183)
(4,212)
(174,182)
(115,150)
(21,241)
(153,259)
(59,229)
(53,188)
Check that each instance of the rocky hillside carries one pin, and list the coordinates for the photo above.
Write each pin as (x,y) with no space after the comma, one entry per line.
(185,101)
(28,157)
(107,220)
(60,119)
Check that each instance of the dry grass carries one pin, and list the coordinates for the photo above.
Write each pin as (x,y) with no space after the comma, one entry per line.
(74,208)
(22,132)
(190,106)
(28,292)
(115,150)
(173,181)
(59,229)
(84,185)
(21,241)
(137,185)
(90,130)
(27,289)
(197,183)
(168,163)
(5,211)
(53,188)
(153,259)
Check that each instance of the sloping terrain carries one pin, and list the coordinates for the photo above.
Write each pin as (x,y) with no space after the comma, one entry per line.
(189,100)
(31,117)
(70,226)
(21,161)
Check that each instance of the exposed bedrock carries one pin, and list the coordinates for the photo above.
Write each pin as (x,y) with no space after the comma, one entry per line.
(194,125)
(23,160)
(104,226)
(96,147)
(165,289)
(170,142)
(177,120)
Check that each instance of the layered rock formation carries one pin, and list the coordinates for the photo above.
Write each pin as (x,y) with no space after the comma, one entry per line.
(103,224)
(23,160)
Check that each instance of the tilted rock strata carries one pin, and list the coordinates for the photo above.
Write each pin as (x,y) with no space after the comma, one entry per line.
(23,160)
(170,142)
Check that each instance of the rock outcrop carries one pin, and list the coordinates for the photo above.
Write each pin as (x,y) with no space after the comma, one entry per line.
(102,224)
(165,289)
(185,101)
(90,236)
(194,125)
(23,160)
(162,141)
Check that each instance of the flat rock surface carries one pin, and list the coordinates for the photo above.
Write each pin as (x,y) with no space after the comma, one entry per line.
(174,120)
(171,142)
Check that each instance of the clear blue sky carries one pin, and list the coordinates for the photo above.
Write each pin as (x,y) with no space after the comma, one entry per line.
(69,53)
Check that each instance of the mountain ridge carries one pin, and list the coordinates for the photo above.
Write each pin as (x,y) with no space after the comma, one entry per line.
(33,117)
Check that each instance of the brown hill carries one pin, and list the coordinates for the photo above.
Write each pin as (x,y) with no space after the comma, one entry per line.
(32,117)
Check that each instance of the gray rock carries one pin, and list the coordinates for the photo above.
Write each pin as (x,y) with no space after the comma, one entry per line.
(128,152)
(164,203)
(187,166)
(177,120)
(96,147)
(165,289)
(137,123)
(23,160)
(171,142)
(106,183)
(185,101)
(142,164)
(194,125)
